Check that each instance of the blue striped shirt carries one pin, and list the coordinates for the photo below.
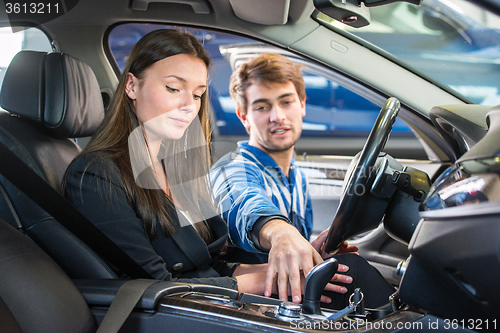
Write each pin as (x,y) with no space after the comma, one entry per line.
(248,184)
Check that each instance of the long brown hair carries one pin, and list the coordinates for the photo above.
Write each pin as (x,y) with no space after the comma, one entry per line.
(111,139)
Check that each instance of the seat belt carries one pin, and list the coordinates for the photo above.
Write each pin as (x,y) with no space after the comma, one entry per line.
(124,302)
(37,189)
(10,206)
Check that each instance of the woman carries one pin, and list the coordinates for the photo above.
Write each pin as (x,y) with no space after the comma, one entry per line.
(142,178)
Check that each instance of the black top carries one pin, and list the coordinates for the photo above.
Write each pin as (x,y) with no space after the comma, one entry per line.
(94,187)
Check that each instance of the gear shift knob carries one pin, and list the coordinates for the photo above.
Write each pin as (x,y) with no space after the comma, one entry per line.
(315,283)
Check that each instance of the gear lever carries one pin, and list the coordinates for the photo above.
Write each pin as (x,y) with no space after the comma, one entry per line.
(315,283)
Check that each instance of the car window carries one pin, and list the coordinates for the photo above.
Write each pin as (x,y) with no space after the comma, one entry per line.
(333,110)
(454,42)
(27,39)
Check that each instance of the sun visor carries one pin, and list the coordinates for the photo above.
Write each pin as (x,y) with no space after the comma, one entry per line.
(264,12)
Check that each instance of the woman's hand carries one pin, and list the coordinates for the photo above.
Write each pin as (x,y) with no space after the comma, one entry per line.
(252,283)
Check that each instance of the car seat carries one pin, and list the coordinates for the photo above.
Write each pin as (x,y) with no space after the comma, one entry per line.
(49,99)
(35,293)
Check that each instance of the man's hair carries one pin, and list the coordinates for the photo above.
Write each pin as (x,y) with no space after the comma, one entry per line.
(263,69)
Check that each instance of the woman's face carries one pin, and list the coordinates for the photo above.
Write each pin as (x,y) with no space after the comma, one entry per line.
(168,96)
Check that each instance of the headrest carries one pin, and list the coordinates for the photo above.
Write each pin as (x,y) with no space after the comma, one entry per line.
(53,89)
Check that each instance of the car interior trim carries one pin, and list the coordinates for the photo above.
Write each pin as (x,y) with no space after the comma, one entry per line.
(478,209)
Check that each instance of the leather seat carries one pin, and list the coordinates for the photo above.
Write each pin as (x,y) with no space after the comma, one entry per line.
(35,293)
(49,100)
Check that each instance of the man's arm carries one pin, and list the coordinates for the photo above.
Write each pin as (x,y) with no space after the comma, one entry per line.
(240,194)
(245,205)
(291,257)
(241,197)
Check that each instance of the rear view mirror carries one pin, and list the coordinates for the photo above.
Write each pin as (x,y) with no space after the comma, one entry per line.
(354,13)
(373,3)
(346,11)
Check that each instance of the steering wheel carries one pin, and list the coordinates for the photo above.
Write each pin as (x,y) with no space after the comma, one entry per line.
(356,185)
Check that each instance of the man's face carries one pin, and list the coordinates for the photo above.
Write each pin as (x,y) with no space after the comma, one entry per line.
(273,117)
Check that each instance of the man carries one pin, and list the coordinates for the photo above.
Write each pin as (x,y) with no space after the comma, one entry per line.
(261,193)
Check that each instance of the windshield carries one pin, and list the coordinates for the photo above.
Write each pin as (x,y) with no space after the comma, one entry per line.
(454,42)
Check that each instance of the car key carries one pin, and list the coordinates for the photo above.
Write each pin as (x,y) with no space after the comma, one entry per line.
(348,309)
